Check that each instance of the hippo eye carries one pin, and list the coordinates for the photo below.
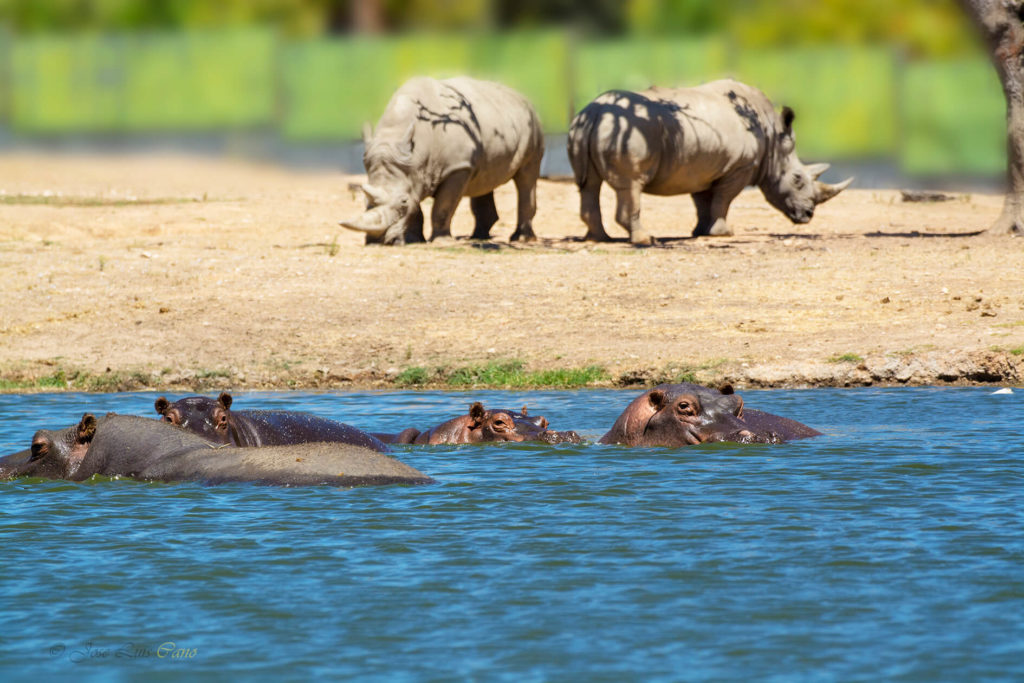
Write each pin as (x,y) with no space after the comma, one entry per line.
(686,408)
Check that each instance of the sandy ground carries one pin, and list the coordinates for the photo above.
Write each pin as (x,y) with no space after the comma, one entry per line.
(189,273)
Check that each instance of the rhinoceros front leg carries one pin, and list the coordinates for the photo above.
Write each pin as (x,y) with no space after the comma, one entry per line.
(590,208)
(526,193)
(446,199)
(485,213)
(627,214)
(713,205)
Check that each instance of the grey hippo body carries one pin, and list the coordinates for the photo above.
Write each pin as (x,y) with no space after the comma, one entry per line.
(689,414)
(481,425)
(215,420)
(152,450)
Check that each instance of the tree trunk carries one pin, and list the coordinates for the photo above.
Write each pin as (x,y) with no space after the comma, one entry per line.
(1001,23)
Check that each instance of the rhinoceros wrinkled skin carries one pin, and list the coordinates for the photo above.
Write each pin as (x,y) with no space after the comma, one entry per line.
(449,139)
(710,141)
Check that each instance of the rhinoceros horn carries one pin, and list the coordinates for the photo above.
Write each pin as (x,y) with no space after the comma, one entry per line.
(375,221)
(826,192)
(815,170)
(375,195)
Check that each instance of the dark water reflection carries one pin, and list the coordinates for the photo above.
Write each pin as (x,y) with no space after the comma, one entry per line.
(890,549)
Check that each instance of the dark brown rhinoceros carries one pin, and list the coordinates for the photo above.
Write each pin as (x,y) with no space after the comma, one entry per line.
(690,414)
(480,425)
(153,450)
(710,142)
(448,140)
(215,420)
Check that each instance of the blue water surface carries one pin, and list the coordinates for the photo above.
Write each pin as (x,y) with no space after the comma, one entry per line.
(892,548)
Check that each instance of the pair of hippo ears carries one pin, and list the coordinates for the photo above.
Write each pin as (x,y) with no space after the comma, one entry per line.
(825,191)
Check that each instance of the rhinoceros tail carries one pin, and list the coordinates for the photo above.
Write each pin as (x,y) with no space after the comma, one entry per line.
(580,133)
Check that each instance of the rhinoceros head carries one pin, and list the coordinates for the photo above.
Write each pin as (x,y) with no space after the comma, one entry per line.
(792,187)
(388,191)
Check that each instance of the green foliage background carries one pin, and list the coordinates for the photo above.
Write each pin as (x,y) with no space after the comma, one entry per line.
(868,78)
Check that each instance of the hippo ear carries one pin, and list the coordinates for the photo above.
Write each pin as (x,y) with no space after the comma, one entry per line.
(787,120)
(224,400)
(86,428)
(726,389)
(737,408)
(523,411)
(477,413)
(161,405)
(657,399)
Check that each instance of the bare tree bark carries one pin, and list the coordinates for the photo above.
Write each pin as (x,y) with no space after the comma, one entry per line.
(367,16)
(1001,23)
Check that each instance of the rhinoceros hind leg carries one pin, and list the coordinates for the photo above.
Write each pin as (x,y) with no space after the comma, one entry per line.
(446,199)
(526,193)
(627,214)
(590,208)
(485,213)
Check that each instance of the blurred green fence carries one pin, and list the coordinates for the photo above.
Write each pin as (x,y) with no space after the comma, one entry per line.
(931,117)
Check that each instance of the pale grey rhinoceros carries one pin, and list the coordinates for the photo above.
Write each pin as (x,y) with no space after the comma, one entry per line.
(710,141)
(449,139)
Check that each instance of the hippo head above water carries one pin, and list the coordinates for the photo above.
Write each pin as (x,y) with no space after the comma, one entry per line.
(54,454)
(204,416)
(481,425)
(685,414)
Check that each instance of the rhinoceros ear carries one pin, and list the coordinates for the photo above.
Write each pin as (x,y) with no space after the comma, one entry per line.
(825,192)
(787,120)
(367,134)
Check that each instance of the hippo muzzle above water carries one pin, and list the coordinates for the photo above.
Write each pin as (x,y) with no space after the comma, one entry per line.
(152,450)
(481,425)
(685,414)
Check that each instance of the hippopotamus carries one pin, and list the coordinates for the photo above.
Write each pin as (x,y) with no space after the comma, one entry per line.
(480,425)
(153,450)
(215,420)
(449,139)
(689,414)
(710,142)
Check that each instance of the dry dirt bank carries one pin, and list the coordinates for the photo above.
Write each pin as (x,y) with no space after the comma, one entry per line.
(185,273)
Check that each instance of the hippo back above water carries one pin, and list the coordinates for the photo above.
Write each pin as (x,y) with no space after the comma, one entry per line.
(689,414)
(152,450)
(215,420)
(710,141)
